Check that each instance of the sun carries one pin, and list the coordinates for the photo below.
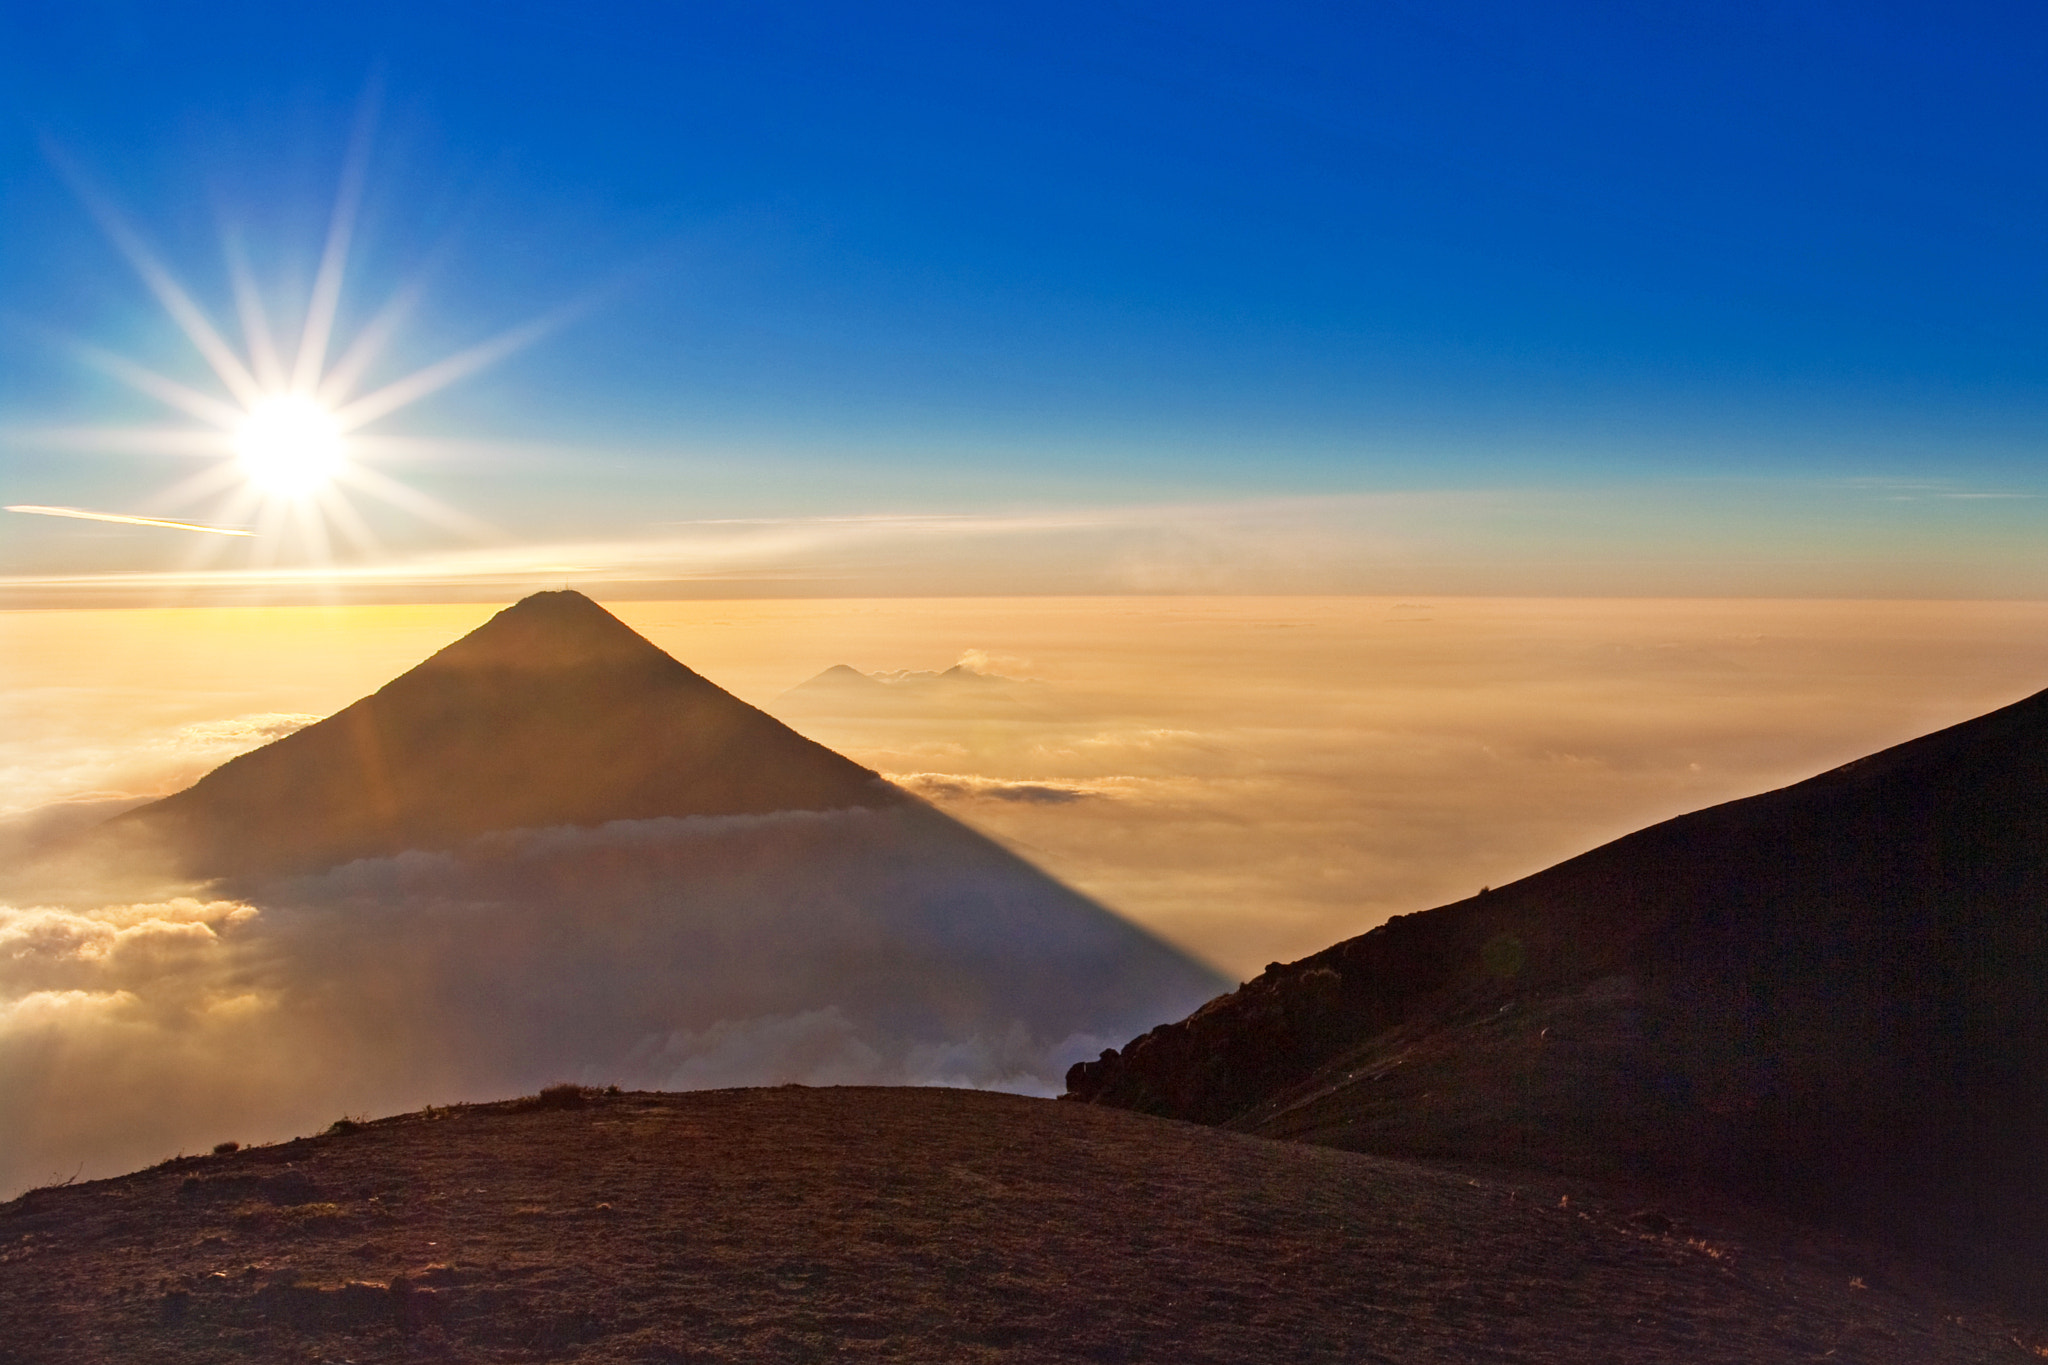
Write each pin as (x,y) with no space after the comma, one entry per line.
(289,446)
(285,446)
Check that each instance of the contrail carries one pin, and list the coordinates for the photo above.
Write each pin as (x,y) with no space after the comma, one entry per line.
(127,520)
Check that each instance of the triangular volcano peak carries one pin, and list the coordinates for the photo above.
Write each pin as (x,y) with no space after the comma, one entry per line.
(561,629)
(554,712)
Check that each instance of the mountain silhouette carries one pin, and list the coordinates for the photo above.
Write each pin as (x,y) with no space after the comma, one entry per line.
(841,677)
(554,712)
(956,690)
(1833,996)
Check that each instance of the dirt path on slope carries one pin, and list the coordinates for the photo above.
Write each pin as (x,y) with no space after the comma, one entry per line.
(913,1225)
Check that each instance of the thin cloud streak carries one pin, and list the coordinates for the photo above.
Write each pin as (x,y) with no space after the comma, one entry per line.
(1696,539)
(124,519)
(738,550)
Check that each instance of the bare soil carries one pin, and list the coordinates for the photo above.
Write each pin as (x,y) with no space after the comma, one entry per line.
(920,1225)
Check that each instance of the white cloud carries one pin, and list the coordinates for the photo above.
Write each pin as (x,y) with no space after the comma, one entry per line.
(40,772)
(969,786)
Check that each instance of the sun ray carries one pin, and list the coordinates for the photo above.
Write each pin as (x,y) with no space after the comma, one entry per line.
(256,334)
(353,528)
(128,440)
(441,374)
(234,510)
(244,502)
(368,345)
(311,359)
(170,391)
(421,505)
(305,512)
(191,319)
(216,478)
(271,516)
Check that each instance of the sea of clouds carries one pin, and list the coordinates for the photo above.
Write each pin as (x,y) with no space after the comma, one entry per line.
(849,947)
(1258,779)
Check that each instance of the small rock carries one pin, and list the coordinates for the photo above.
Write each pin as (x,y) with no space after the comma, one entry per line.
(1652,1220)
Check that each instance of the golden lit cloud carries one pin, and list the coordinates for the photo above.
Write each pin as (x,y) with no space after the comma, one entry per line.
(1251,778)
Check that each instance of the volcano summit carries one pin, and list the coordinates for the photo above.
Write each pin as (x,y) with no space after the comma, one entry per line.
(554,712)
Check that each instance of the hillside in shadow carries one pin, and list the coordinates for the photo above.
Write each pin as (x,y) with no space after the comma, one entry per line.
(1832,997)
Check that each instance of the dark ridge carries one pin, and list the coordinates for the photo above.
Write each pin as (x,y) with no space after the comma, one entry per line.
(554,712)
(1833,996)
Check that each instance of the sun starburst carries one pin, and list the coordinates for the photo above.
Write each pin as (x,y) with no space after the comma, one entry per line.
(283,440)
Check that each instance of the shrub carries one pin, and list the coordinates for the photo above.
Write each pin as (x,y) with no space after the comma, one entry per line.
(561,1095)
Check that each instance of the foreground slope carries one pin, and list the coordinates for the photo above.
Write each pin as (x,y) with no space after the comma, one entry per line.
(554,712)
(915,1225)
(1834,996)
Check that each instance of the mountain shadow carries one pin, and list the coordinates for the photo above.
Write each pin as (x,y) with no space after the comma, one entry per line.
(1833,997)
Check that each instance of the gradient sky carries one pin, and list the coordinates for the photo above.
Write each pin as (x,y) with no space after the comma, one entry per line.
(1439,297)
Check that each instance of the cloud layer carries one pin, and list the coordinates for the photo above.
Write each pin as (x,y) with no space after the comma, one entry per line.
(1251,778)
(857,946)
(973,786)
(1260,778)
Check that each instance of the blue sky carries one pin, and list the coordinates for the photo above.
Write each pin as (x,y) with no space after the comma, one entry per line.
(898,259)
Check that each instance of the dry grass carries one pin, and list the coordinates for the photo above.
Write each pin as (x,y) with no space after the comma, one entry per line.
(923,1225)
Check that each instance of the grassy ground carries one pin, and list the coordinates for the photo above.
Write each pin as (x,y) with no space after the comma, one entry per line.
(917,1225)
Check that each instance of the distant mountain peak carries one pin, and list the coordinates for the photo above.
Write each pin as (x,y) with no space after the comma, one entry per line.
(841,677)
(553,712)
